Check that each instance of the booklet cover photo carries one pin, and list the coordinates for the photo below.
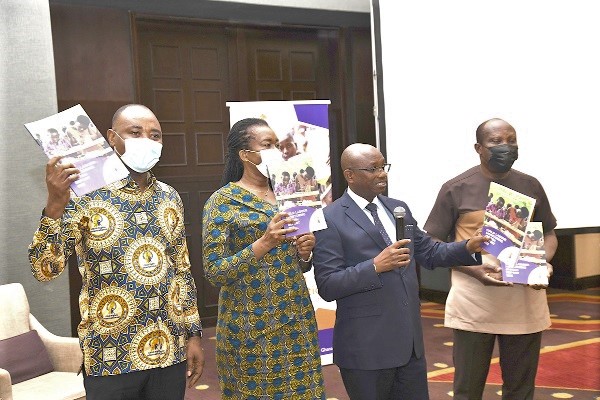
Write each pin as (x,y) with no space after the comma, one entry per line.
(72,134)
(298,192)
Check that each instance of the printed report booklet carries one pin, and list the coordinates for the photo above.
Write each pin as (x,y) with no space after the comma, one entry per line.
(298,192)
(72,134)
(507,224)
(532,258)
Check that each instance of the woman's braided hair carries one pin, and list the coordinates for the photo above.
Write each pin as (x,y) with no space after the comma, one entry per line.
(238,139)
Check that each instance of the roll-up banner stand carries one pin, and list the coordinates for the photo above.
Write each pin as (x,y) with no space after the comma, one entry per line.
(302,127)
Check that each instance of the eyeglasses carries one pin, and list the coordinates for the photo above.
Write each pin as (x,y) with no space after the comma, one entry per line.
(372,170)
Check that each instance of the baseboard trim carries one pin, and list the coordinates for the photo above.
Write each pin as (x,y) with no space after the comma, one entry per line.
(565,282)
(436,296)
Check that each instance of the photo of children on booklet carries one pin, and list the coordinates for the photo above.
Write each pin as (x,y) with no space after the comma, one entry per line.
(72,135)
(532,258)
(298,191)
(508,214)
(76,138)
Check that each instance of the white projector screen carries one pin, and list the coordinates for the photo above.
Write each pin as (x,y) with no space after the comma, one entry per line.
(445,67)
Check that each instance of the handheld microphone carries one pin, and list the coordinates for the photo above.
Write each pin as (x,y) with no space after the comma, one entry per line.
(399,213)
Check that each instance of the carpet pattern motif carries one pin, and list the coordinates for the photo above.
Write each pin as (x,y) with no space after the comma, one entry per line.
(569,365)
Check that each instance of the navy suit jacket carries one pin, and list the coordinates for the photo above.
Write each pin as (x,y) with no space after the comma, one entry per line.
(378,320)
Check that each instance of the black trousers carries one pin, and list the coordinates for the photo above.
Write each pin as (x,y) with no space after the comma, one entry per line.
(519,356)
(152,384)
(408,382)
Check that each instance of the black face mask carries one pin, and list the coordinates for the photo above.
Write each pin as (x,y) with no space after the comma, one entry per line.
(502,158)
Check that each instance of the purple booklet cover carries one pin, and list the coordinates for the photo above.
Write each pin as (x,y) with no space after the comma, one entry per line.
(298,192)
(72,134)
(507,224)
(503,249)
(530,267)
(309,219)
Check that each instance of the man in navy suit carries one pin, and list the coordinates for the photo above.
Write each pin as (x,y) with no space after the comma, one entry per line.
(378,339)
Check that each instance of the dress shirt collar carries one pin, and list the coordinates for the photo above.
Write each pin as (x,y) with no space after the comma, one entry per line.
(128,181)
(362,202)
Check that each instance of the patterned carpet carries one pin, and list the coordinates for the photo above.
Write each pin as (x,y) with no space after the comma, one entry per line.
(570,357)
(569,361)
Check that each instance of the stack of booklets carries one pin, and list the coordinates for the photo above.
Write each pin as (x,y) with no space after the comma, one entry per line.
(299,192)
(72,135)
(515,241)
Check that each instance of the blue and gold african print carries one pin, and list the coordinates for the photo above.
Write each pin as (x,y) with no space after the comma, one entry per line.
(267,343)
(138,299)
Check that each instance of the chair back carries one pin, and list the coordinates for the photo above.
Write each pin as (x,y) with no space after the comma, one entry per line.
(14,317)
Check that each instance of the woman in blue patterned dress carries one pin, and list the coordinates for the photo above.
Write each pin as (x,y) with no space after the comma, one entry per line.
(267,344)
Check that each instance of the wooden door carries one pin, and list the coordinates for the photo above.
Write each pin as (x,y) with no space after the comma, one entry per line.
(285,65)
(184,78)
(186,73)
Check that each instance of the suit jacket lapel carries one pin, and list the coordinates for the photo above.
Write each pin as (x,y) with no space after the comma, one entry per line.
(361,219)
(388,205)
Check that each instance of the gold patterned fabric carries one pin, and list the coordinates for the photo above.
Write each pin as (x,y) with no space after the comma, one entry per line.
(138,299)
(267,345)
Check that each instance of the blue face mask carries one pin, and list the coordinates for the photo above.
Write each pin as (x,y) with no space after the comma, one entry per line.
(503,157)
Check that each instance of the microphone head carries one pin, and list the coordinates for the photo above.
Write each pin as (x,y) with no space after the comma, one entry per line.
(399,212)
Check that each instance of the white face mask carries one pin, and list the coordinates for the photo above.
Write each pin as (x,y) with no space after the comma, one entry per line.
(268,157)
(141,154)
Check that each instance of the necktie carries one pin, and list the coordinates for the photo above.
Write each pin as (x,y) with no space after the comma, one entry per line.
(378,224)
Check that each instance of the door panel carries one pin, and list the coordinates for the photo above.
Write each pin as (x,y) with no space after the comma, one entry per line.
(184,79)
(186,74)
(283,66)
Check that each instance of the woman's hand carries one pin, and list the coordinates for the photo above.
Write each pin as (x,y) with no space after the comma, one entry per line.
(274,235)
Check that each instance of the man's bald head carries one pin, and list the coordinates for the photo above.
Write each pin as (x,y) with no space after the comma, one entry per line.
(128,109)
(489,126)
(356,155)
(364,170)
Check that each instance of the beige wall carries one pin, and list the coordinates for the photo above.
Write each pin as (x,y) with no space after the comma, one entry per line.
(27,93)
(587,255)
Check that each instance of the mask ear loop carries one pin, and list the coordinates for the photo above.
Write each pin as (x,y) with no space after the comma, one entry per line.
(243,151)
(247,159)
(256,165)
(115,147)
